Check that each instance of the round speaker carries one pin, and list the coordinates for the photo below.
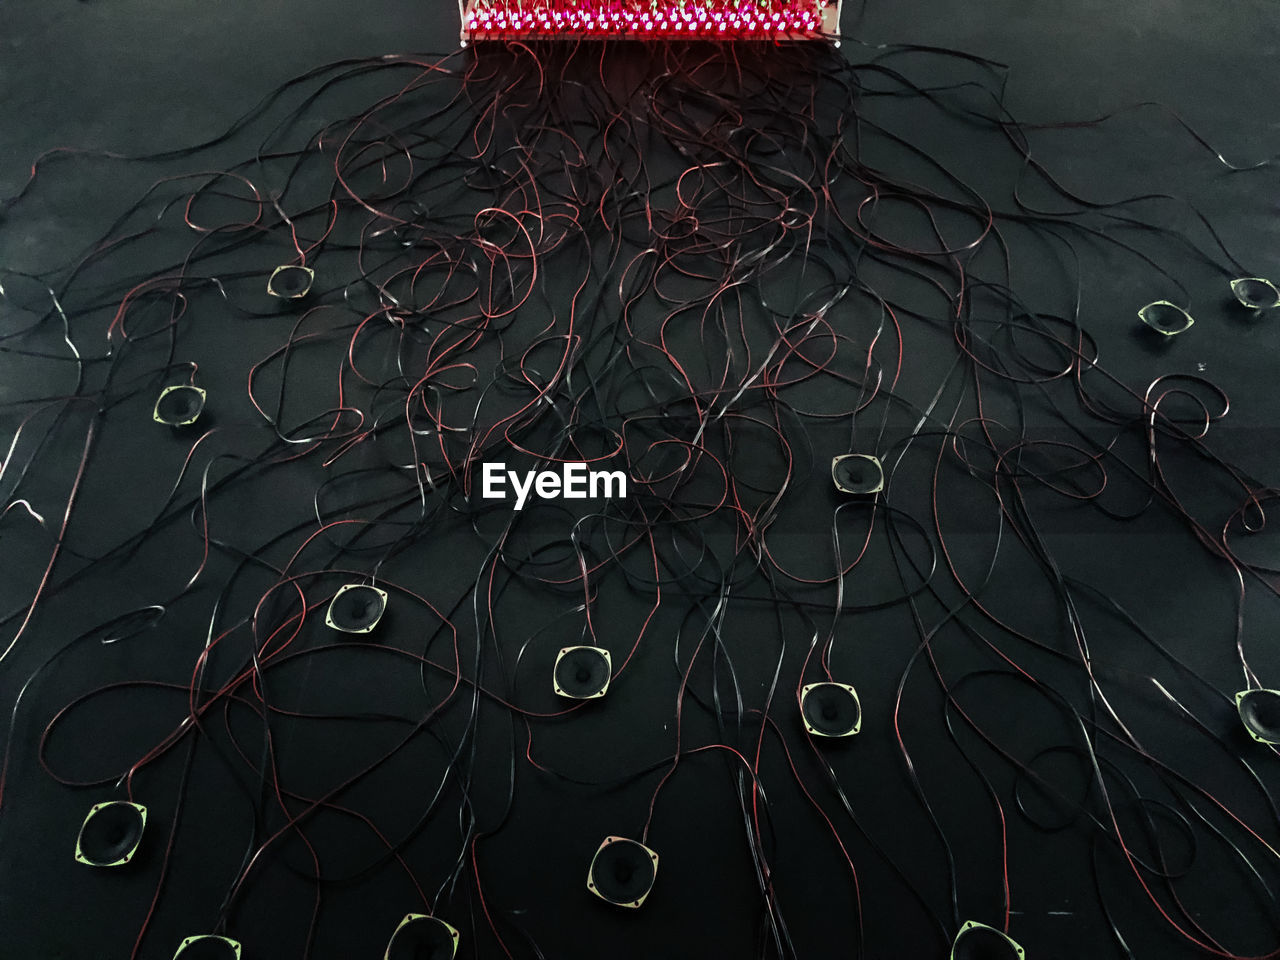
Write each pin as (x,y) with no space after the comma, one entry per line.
(1165,318)
(110,834)
(290,282)
(356,608)
(977,941)
(857,473)
(208,947)
(1256,293)
(1260,713)
(582,672)
(420,937)
(179,405)
(622,872)
(831,709)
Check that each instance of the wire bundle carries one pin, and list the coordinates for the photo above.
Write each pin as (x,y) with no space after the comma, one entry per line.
(716,270)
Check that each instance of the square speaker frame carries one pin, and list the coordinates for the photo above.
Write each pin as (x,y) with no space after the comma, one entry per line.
(155,411)
(1248,729)
(271,281)
(1239,282)
(1165,331)
(234,944)
(972,924)
(582,646)
(634,904)
(857,456)
(80,857)
(328,613)
(804,691)
(409,918)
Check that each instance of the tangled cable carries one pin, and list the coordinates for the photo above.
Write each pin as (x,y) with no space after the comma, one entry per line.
(713,268)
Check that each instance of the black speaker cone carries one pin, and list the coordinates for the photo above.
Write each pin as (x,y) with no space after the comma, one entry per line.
(977,941)
(208,947)
(1260,713)
(1165,317)
(422,938)
(289,282)
(179,405)
(831,709)
(623,871)
(857,474)
(1256,293)
(111,833)
(582,672)
(356,608)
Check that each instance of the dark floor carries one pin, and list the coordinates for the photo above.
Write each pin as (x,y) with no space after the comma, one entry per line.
(134,78)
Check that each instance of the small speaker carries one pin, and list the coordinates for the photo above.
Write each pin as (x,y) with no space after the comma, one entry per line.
(1165,318)
(857,473)
(420,937)
(1260,714)
(289,282)
(110,834)
(356,608)
(179,405)
(582,673)
(831,709)
(977,941)
(622,872)
(208,947)
(1256,293)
